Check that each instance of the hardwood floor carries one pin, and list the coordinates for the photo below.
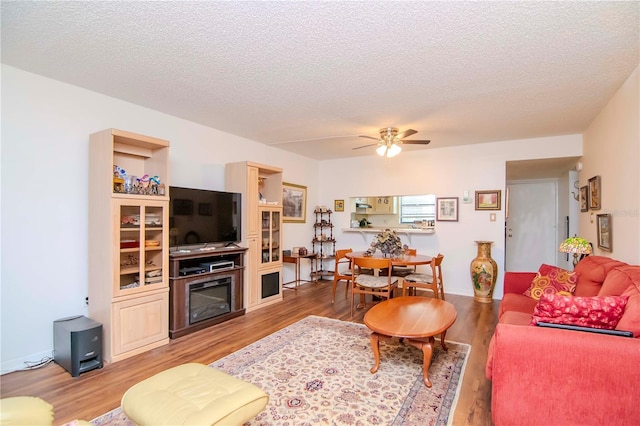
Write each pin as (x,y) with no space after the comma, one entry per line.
(95,392)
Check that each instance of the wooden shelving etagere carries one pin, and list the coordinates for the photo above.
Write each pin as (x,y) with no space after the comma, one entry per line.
(324,243)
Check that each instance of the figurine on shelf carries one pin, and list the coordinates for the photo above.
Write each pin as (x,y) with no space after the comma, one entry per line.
(118,179)
(143,184)
(154,183)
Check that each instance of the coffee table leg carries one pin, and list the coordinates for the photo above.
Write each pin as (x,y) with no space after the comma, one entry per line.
(375,345)
(427,351)
(444,345)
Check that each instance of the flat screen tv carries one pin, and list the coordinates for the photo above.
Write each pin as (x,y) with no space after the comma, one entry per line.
(199,217)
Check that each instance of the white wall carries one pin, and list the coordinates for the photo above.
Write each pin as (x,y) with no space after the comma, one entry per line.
(612,151)
(446,172)
(45,135)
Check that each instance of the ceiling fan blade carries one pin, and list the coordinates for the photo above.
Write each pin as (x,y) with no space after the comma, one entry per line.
(369,137)
(366,146)
(416,142)
(406,133)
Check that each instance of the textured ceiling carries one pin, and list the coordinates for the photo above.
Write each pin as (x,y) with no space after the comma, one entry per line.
(324,72)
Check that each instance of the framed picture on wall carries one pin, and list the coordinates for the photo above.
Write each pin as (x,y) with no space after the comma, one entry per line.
(584,198)
(604,232)
(338,205)
(488,200)
(595,196)
(447,209)
(294,202)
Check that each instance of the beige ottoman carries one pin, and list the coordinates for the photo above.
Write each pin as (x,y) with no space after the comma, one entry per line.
(25,410)
(193,394)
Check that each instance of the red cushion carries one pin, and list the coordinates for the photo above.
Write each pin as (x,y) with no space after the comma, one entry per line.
(626,278)
(593,270)
(551,280)
(515,318)
(595,312)
(516,302)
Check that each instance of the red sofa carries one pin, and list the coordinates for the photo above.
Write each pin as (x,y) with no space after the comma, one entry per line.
(546,376)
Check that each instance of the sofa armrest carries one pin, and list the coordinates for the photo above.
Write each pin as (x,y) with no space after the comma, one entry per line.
(552,376)
(517,282)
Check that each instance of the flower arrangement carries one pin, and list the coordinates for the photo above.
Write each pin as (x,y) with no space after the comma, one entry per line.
(388,242)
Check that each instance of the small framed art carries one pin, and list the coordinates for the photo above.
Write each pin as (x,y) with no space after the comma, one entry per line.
(584,198)
(604,232)
(338,206)
(447,209)
(488,200)
(595,196)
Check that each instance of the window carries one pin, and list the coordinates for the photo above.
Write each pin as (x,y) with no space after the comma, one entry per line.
(417,208)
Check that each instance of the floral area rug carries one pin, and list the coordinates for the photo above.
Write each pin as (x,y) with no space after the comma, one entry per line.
(316,372)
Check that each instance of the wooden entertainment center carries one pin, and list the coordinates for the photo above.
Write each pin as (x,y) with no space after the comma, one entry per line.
(187,275)
(141,290)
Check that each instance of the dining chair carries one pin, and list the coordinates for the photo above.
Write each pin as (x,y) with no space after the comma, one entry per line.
(381,285)
(404,270)
(341,272)
(431,281)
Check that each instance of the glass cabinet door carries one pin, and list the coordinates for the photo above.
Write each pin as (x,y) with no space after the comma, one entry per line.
(266,236)
(129,246)
(275,236)
(140,247)
(270,233)
(153,253)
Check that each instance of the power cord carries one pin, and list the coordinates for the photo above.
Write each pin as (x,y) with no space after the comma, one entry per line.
(31,365)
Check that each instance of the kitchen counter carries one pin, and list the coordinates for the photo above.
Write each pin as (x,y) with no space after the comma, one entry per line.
(398,230)
(408,232)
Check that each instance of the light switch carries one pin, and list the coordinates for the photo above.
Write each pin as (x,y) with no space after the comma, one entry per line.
(492,217)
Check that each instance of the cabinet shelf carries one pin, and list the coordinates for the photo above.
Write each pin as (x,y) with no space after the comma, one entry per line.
(119,225)
(261,188)
(326,240)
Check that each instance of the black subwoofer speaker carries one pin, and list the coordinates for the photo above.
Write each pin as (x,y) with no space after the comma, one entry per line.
(77,344)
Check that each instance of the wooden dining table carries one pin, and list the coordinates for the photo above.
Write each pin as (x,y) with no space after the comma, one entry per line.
(402,260)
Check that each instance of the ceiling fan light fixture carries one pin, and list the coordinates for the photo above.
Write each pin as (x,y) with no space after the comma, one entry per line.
(388,150)
(393,150)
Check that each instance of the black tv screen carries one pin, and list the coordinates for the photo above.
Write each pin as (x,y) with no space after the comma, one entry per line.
(198,217)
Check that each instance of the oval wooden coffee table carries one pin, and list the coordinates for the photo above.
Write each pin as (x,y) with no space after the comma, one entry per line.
(416,319)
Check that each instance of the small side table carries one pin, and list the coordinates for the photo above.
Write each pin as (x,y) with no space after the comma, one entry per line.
(295,259)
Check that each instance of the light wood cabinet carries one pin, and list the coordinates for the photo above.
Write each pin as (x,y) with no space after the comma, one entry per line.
(261,189)
(382,205)
(128,243)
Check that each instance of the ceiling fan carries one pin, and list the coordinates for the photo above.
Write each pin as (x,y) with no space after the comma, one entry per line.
(390,141)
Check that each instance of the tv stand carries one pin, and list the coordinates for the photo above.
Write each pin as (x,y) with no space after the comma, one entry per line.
(181,283)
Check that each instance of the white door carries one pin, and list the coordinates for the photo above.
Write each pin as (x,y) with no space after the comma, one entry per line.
(531,228)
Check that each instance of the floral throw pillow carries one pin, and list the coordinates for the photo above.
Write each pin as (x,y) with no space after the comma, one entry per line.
(552,280)
(595,312)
